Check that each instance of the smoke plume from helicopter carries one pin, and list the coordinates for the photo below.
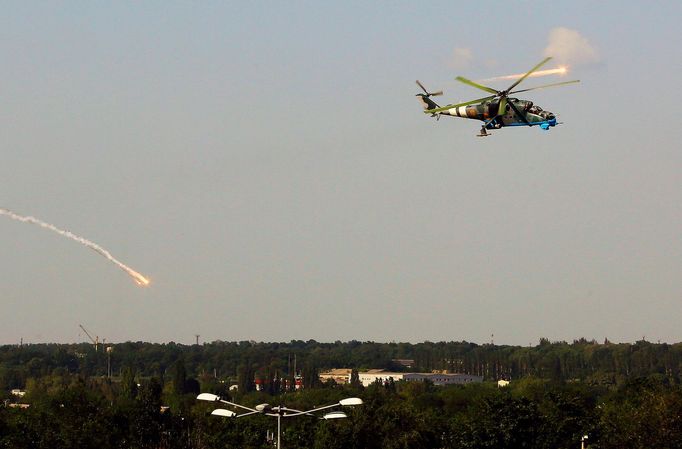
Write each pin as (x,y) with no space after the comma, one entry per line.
(137,277)
(570,47)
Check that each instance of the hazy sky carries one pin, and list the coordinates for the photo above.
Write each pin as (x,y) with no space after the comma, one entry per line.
(267,165)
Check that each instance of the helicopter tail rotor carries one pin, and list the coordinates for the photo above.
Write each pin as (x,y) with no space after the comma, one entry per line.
(425,98)
(427,93)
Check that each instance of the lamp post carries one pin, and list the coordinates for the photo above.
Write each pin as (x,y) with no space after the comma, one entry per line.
(583,442)
(109,350)
(279,411)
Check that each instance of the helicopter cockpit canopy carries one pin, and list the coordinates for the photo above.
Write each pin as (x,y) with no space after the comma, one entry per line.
(535,110)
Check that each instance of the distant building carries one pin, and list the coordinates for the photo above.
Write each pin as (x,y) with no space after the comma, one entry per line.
(339,375)
(371,376)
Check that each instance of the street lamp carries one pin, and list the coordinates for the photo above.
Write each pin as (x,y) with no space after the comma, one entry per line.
(279,411)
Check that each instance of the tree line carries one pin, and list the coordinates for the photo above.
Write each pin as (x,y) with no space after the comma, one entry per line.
(583,360)
(70,411)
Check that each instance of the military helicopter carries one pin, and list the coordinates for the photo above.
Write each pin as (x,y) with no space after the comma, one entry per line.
(497,110)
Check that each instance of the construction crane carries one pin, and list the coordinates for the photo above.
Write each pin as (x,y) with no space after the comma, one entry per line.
(95,341)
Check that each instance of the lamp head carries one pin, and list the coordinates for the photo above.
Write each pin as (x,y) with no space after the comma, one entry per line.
(223,412)
(263,407)
(208,397)
(350,402)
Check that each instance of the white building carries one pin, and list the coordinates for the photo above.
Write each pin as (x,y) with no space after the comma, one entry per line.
(372,376)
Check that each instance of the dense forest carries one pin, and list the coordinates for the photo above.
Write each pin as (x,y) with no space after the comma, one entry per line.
(143,395)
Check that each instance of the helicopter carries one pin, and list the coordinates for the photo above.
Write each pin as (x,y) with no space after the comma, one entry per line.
(497,110)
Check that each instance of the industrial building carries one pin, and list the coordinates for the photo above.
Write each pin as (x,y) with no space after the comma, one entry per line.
(372,376)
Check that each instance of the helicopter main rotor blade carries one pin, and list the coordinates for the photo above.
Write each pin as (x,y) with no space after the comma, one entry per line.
(521,116)
(450,106)
(546,85)
(502,108)
(516,83)
(423,88)
(476,85)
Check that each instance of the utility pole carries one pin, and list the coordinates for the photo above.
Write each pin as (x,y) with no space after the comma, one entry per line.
(197,337)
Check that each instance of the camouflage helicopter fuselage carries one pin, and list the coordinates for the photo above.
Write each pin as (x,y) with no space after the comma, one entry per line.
(486,111)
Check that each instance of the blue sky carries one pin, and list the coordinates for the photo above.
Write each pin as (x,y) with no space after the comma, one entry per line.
(268,166)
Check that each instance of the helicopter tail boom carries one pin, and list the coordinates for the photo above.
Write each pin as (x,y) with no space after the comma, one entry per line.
(426,102)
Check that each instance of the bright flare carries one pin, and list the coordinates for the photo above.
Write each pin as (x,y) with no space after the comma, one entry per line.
(141,280)
(561,70)
(137,277)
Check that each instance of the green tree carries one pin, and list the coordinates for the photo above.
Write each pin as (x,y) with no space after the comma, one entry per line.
(245,378)
(179,377)
(128,383)
(147,421)
(355,379)
(500,422)
(643,414)
(311,375)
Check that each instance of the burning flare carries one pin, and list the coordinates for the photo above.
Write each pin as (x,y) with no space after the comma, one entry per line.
(137,277)
(561,70)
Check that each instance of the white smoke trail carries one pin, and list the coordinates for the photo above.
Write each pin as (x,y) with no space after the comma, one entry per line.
(557,71)
(137,277)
